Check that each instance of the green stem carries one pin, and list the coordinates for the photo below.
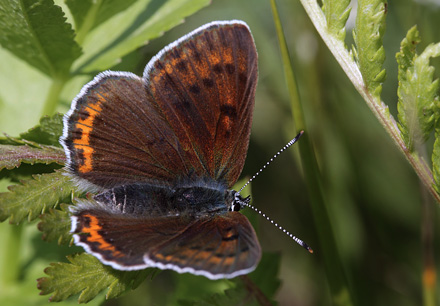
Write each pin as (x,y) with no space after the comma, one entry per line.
(335,272)
(253,289)
(53,96)
(429,274)
(379,109)
(88,23)
(10,266)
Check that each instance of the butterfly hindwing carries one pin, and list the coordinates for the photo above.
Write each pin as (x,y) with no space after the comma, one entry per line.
(122,240)
(221,246)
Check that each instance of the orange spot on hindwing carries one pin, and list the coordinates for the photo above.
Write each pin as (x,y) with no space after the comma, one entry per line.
(92,227)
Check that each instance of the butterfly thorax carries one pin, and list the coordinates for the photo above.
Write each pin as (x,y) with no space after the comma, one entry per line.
(196,200)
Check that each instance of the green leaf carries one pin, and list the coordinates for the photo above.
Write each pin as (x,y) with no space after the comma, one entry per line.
(266,274)
(406,106)
(22,93)
(236,295)
(257,288)
(56,225)
(368,35)
(37,32)
(336,14)
(130,29)
(405,58)
(47,132)
(87,14)
(417,91)
(422,81)
(79,10)
(33,196)
(12,156)
(436,154)
(85,274)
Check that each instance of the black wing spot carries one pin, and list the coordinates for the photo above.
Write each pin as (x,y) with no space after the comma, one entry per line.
(230,68)
(83,114)
(208,82)
(181,66)
(85,221)
(217,68)
(77,133)
(80,156)
(196,55)
(194,89)
(228,110)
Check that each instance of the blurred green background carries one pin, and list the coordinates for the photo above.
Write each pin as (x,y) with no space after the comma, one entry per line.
(374,198)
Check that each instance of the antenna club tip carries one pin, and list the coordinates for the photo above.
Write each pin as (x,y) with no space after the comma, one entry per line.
(297,137)
(309,249)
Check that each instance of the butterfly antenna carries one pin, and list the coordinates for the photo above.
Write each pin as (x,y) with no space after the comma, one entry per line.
(246,202)
(290,143)
(296,239)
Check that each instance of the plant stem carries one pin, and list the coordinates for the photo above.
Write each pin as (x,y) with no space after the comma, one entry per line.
(255,291)
(335,272)
(88,23)
(10,266)
(429,274)
(379,109)
(54,95)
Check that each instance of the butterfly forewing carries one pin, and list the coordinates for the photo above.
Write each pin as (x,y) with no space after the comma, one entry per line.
(205,88)
(108,151)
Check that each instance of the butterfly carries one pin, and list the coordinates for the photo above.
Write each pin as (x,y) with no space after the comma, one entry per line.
(161,153)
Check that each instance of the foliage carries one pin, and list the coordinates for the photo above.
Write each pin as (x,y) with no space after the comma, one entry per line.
(86,275)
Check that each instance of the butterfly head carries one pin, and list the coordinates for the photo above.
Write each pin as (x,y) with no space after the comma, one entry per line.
(235,201)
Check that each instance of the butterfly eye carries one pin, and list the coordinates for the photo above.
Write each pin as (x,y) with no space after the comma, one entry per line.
(235,206)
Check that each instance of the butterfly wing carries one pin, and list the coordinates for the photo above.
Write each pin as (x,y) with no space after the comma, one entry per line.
(119,239)
(217,247)
(224,246)
(190,114)
(204,84)
(114,136)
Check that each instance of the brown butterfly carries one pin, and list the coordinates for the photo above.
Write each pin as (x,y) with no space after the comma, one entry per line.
(163,152)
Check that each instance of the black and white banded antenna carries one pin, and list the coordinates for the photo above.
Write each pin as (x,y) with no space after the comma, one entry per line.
(290,143)
(246,203)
